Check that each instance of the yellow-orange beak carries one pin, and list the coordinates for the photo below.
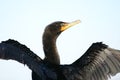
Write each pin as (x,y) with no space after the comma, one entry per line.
(68,25)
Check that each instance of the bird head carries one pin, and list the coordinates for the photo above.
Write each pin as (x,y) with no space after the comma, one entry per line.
(57,27)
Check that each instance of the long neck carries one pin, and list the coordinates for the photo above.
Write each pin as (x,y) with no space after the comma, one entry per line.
(50,49)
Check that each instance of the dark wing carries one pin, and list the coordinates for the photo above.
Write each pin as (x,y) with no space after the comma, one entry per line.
(12,49)
(98,63)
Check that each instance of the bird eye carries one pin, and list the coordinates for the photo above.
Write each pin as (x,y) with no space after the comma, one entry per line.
(62,24)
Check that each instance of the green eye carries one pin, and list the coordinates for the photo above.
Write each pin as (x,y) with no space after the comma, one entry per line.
(62,24)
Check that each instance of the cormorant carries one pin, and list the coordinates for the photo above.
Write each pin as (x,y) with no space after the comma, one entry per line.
(51,33)
(98,63)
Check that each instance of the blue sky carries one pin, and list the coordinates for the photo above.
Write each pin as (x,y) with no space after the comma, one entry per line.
(25,20)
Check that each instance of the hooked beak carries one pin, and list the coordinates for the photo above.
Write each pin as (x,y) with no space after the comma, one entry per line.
(68,25)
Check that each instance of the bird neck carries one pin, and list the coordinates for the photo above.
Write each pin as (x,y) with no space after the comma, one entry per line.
(50,49)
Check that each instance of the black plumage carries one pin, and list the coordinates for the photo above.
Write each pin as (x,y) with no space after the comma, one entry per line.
(98,63)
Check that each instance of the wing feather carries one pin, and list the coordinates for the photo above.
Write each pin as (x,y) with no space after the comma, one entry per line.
(12,49)
(98,63)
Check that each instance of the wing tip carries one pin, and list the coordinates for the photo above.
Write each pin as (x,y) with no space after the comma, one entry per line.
(95,47)
(22,47)
(100,45)
(17,44)
(9,41)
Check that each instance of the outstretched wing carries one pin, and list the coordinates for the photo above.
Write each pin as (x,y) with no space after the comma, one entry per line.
(12,49)
(98,63)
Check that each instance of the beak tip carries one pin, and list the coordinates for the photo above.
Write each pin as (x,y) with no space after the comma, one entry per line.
(78,21)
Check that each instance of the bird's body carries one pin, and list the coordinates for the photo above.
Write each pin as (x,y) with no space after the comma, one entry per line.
(98,63)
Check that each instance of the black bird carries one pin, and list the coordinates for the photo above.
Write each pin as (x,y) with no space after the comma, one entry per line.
(98,63)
